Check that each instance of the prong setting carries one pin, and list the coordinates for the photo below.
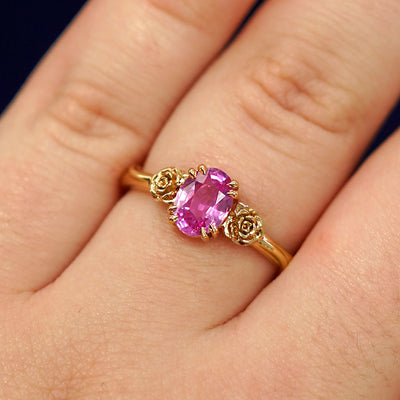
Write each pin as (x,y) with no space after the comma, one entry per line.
(214,193)
(233,193)
(204,234)
(212,213)
(233,185)
(213,230)
(202,168)
(173,218)
(192,173)
(172,209)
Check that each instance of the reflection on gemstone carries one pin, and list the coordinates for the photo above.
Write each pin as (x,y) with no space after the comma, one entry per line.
(203,201)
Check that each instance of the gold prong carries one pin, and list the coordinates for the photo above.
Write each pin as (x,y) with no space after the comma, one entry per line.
(213,230)
(202,168)
(172,209)
(233,185)
(204,234)
(192,172)
(233,193)
(173,218)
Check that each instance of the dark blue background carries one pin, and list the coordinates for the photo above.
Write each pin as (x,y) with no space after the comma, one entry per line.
(28,28)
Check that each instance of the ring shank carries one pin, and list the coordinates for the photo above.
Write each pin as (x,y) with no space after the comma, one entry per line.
(135,178)
(273,251)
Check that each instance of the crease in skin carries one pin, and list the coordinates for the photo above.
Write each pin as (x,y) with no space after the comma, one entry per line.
(82,107)
(261,137)
(116,337)
(269,123)
(260,119)
(186,14)
(297,89)
(319,74)
(203,16)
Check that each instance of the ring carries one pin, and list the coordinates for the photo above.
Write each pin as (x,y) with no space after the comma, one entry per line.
(204,201)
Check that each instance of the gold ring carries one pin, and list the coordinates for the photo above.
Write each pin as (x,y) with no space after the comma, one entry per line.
(204,201)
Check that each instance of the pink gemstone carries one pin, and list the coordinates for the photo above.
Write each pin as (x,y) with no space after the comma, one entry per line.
(203,201)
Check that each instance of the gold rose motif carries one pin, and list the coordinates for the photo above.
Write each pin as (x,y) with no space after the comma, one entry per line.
(166,183)
(244,226)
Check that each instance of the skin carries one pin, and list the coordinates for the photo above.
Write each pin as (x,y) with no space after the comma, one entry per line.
(101,298)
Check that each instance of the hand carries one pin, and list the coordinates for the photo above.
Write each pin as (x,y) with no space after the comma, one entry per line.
(101,298)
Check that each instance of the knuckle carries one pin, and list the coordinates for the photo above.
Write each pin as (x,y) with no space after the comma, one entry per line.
(199,15)
(285,86)
(85,119)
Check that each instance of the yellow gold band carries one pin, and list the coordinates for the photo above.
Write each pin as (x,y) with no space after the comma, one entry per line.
(164,186)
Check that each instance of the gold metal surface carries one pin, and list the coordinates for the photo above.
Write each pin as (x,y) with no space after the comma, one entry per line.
(273,251)
(243,225)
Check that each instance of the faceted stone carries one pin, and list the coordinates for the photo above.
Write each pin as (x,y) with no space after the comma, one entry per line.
(203,201)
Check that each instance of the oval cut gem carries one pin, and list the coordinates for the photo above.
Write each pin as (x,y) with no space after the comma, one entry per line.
(203,201)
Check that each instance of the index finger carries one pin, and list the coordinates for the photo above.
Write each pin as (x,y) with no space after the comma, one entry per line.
(93,106)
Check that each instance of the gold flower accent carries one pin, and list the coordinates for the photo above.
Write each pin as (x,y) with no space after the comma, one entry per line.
(165,184)
(244,226)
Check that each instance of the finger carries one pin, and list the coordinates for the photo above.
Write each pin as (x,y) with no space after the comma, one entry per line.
(286,111)
(338,304)
(94,106)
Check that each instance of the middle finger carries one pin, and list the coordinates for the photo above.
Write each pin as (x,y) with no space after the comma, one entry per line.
(287,111)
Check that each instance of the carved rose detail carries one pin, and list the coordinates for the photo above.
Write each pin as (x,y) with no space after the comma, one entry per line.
(244,226)
(165,184)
